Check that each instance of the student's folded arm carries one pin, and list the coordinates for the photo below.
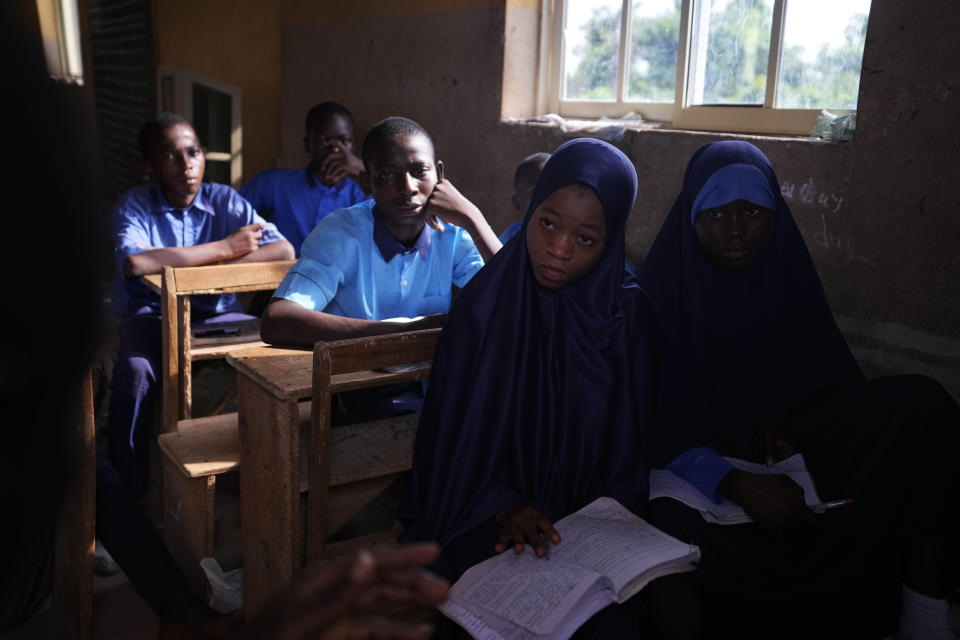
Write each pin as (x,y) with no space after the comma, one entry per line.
(153,261)
(448,204)
(279,250)
(270,245)
(286,322)
(484,238)
(488,244)
(129,229)
(238,244)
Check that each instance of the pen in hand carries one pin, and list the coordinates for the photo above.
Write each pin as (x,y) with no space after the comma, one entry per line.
(832,504)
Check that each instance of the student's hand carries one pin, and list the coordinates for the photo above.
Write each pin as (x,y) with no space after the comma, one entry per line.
(771,438)
(774,501)
(338,164)
(522,523)
(449,205)
(244,240)
(330,602)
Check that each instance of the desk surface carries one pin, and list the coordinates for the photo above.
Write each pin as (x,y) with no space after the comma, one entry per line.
(287,373)
(152,282)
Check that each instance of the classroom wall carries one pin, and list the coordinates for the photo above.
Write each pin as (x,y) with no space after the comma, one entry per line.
(881,215)
(237,42)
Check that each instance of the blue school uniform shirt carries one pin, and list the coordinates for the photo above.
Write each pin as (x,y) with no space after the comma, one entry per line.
(296,201)
(510,231)
(143,218)
(702,467)
(352,266)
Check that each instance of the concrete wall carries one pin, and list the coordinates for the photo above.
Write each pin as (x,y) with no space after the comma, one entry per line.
(236,42)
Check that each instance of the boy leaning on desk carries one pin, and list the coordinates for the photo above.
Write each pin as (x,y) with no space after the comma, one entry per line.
(178,221)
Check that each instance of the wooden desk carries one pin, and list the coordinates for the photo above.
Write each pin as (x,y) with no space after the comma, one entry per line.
(271,382)
(180,348)
(153,282)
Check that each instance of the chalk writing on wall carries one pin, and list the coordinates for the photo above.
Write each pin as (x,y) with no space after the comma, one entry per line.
(808,194)
(827,206)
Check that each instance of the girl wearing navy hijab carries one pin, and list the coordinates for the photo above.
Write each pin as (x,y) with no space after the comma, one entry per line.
(754,367)
(540,384)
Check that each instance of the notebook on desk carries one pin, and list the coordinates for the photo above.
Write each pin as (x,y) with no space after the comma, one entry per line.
(228,329)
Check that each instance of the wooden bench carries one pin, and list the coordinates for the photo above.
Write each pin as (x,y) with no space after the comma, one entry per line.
(194,455)
(180,349)
(364,460)
(376,452)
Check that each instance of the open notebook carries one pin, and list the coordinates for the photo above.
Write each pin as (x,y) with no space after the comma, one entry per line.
(607,554)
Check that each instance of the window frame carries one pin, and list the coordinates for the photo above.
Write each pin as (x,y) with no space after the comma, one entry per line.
(59,22)
(680,114)
(175,94)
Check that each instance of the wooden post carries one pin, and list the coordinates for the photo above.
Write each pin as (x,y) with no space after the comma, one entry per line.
(184,359)
(73,568)
(169,350)
(188,522)
(269,491)
(318,465)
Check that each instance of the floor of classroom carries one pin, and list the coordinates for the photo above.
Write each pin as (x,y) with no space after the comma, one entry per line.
(119,613)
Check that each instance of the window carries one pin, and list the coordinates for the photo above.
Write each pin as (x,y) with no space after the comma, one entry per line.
(735,65)
(214,109)
(60,30)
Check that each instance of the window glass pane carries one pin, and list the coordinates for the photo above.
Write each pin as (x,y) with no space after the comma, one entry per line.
(653,50)
(211,118)
(60,32)
(70,25)
(591,42)
(730,51)
(822,53)
(217,171)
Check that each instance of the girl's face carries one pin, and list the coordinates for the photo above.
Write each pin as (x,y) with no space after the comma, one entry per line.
(566,235)
(734,235)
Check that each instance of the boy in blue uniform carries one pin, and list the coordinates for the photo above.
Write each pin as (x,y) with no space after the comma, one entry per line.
(524,180)
(387,257)
(296,200)
(178,221)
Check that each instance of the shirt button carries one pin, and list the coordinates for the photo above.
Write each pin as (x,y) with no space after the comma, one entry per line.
(403,282)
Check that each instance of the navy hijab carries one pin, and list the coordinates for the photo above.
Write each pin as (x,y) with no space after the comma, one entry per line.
(738,346)
(539,395)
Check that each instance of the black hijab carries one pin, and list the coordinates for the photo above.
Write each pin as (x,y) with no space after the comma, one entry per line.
(738,346)
(539,395)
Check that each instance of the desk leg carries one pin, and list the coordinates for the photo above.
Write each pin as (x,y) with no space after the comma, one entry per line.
(269,492)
